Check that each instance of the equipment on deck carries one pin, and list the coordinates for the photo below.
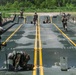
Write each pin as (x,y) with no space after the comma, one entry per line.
(64,65)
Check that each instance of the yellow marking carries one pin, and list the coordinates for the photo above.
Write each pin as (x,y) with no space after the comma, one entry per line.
(41,70)
(51,19)
(38,41)
(65,35)
(40,52)
(40,59)
(35,55)
(24,19)
(35,63)
(12,34)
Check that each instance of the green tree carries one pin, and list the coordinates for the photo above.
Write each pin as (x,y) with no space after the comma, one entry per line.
(21,4)
(28,4)
(15,5)
(8,5)
(38,2)
(43,4)
(50,3)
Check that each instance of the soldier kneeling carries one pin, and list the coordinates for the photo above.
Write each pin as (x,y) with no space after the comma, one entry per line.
(19,61)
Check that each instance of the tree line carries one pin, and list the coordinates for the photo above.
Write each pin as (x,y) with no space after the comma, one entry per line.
(37,3)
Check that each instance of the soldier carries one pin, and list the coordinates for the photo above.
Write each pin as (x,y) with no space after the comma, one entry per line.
(35,19)
(24,60)
(18,59)
(10,61)
(63,14)
(47,20)
(64,21)
(21,13)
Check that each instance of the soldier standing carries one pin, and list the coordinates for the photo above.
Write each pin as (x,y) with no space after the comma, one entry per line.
(64,21)
(21,13)
(35,19)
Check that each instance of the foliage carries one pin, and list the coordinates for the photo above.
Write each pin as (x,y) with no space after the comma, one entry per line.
(69,5)
(15,5)
(8,5)
(36,4)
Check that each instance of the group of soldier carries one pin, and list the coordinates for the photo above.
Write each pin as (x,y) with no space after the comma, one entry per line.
(64,20)
(19,60)
(35,19)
